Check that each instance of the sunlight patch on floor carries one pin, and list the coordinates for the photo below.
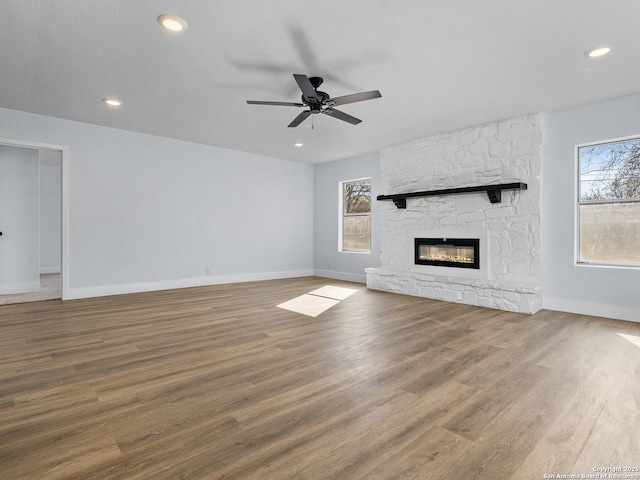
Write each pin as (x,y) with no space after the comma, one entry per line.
(317,301)
(337,293)
(309,305)
(632,338)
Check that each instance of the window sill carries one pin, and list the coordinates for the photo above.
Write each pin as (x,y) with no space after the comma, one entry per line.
(357,252)
(624,266)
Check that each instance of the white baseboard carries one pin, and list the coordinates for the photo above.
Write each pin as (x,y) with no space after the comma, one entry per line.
(617,312)
(347,277)
(17,288)
(122,289)
(49,270)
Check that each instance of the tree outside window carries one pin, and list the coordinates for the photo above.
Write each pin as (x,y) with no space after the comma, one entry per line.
(356,215)
(609,203)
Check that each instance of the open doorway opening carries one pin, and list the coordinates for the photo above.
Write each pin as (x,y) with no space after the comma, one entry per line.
(32,222)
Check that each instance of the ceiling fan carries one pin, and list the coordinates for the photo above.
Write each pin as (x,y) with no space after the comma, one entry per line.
(320,102)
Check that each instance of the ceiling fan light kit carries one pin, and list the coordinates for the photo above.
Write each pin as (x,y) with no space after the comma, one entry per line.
(320,102)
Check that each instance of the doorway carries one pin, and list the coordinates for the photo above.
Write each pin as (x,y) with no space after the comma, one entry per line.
(33,221)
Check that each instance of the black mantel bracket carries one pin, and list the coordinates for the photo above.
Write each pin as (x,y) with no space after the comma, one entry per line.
(493,191)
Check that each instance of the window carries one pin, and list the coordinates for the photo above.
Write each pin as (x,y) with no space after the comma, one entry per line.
(609,202)
(355,215)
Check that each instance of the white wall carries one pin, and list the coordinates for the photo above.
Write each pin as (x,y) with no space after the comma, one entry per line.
(329,262)
(50,211)
(148,212)
(603,291)
(19,220)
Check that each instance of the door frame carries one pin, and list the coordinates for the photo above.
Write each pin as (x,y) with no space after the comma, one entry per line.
(64,266)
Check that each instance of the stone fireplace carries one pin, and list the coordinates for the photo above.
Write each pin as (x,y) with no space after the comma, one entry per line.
(508,274)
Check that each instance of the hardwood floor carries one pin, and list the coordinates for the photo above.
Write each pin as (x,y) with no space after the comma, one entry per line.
(219,383)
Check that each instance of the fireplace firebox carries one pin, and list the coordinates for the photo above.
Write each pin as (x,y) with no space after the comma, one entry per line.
(448,252)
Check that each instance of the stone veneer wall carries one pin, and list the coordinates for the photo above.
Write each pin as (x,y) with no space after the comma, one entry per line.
(502,152)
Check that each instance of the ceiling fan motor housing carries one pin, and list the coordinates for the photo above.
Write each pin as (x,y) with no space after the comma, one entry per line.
(316,103)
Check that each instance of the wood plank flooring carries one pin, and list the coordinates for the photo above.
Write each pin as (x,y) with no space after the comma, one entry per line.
(219,383)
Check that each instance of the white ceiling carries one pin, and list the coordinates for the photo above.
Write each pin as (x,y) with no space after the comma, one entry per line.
(440,65)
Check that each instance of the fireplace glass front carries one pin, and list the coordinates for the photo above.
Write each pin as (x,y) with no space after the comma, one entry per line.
(448,252)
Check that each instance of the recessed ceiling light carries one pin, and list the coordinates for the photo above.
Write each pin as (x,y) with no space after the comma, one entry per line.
(597,52)
(113,102)
(172,23)
(298,144)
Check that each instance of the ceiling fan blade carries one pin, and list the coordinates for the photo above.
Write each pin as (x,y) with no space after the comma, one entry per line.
(332,112)
(283,104)
(356,97)
(300,118)
(308,92)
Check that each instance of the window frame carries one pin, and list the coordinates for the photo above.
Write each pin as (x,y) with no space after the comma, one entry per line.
(578,202)
(341,216)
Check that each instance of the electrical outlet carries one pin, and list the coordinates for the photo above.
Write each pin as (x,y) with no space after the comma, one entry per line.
(209,270)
